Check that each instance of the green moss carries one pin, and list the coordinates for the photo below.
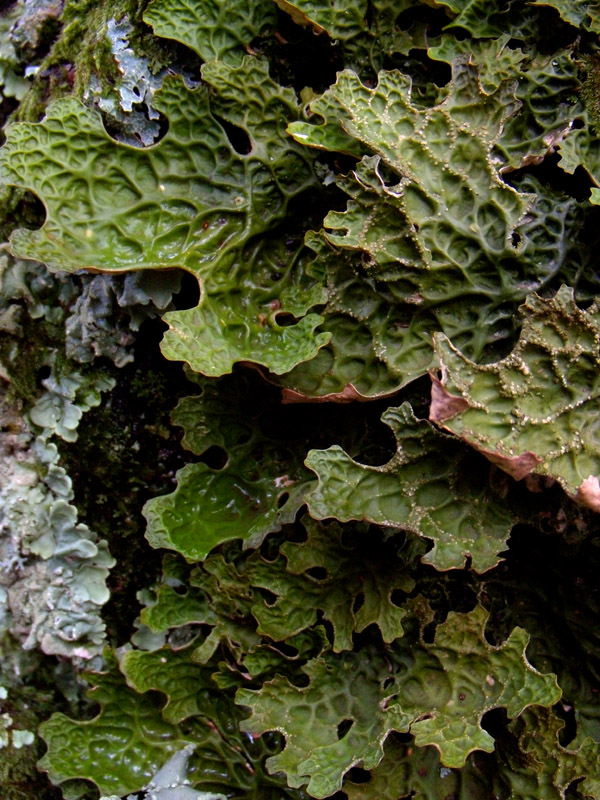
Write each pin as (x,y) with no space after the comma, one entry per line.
(590,88)
(82,51)
(28,702)
(126,452)
(24,362)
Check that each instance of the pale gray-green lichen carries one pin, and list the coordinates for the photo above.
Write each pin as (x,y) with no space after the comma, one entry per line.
(68,395)
(96,325)
(128,106)
(53,569)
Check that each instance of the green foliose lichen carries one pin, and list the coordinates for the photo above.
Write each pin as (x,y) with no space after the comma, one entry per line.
(323,209)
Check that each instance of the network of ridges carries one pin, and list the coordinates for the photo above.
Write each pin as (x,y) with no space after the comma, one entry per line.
(380,339)
(579,13)
(365,32)
(547,87)
(416,772)
(213,30)
(245,308)
(136,732)
(540,767)
(360,314)
(581,148)
(559,240)
(121,748)
(434,229)
(191,201)
(256,484)
(353,700)
(534,411)
(483,20)
(424,488)
(183,202)
(444,182)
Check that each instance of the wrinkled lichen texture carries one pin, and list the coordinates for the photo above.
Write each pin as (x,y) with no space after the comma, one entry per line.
(533,411)
(299,356)
(426,488)
(422,698)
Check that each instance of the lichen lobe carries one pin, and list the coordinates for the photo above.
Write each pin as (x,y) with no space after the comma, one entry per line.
(445,406)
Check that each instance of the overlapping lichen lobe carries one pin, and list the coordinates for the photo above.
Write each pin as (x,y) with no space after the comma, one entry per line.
(348,394)
(517,467)
(445,405)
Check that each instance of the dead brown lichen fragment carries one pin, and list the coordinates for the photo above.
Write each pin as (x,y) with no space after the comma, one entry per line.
(518,467)
(588,493)
(443,404)
(348,394)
